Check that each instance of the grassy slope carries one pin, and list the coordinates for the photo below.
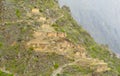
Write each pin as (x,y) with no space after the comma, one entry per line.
(18,59)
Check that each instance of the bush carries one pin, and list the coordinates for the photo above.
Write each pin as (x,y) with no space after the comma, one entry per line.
(1,44)
(56,65)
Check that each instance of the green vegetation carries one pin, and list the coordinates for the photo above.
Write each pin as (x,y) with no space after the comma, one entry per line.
(1,45)
(56,65)
(5,74)
(18,13)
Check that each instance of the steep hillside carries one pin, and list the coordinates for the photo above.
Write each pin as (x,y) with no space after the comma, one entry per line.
(38,38)
(99,18)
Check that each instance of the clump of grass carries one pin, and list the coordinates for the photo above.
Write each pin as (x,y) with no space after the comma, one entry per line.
(18,14)
(1,44)
(56,65)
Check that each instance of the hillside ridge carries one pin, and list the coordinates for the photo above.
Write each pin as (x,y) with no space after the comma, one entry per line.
(38,38)
(46,39)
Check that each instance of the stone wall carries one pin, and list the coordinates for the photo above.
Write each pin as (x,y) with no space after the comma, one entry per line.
(60,44)
(56,34)
(50,34)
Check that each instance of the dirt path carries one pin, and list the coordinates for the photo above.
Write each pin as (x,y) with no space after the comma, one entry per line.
(59,70)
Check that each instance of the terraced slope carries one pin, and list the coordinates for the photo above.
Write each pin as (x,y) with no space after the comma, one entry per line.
(37,38)
(46,39)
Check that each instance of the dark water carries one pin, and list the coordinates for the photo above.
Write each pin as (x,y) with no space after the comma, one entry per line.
(101,18)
